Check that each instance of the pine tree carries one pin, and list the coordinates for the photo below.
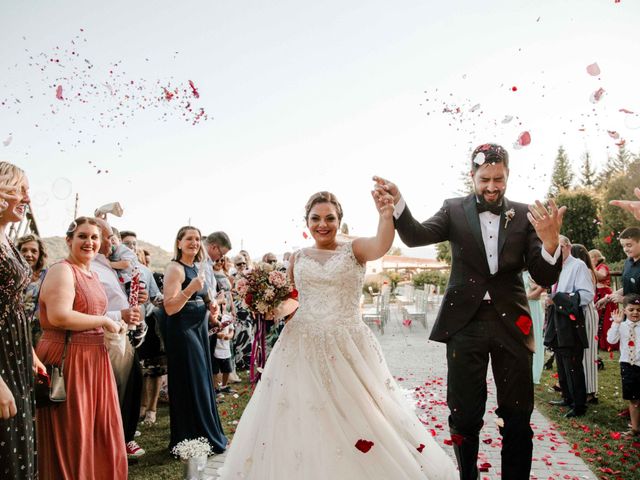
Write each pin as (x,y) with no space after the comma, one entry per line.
(562,176)
(617,165)
(588,174)
(467,183)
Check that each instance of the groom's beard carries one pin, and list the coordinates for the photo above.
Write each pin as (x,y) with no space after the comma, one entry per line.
(498,199)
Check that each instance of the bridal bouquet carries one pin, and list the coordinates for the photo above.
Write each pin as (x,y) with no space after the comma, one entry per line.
(194,448)
(263,288)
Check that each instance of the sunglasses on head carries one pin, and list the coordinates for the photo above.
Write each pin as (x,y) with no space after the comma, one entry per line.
(241,264)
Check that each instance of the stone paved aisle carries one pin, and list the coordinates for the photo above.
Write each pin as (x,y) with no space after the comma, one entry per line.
(420,368)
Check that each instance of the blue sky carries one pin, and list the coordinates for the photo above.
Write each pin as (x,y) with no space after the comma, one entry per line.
(300,97)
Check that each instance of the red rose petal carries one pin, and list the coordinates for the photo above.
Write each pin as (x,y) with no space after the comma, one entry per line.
(524,139)
(572,317)
(524,323)
(364,445)
(420,447)
(59,93)
(615,435)
(631,343)
(457,438)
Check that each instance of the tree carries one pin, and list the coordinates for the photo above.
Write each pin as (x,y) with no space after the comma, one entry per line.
(444,252)
(467,183)
(615,166)
(615,219)
(562,176)
(580,222)
(587,172)
(431,277)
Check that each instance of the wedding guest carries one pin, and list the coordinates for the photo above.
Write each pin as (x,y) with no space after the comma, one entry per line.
(33,250)
(534,292)
(627,332)
(193,407)
(590,359)
(81,437)
(630,242)
(565,332)
(17,359)
(125,365)
(247,258)
(244,323)
(221,363)
(603,288)
(146,340)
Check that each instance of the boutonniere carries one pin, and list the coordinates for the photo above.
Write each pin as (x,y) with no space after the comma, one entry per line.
(508,215)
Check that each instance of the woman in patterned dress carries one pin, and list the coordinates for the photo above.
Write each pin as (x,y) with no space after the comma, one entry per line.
(17,428)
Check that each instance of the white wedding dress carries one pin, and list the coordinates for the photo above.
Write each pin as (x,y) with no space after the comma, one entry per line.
(326,386)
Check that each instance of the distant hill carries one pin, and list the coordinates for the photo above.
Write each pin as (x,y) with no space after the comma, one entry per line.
(57,250)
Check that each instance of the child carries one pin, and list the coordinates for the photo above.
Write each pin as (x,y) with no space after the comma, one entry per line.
(628,333)
(122,259)
(222,355)
(630,241)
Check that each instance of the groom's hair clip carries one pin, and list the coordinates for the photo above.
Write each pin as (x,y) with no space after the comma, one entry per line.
(488,153)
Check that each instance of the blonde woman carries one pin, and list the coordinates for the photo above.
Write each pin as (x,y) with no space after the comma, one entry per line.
(17,360)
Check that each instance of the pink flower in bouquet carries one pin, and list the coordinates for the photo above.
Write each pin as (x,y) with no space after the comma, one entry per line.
(277,279)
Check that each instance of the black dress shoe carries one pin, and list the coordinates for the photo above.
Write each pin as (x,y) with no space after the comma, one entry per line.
(574,413)
(592,399)
(559,403)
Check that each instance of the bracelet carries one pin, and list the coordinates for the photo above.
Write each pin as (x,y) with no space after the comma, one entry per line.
(185,295)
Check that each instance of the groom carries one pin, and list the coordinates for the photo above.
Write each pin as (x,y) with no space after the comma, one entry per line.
(484,312)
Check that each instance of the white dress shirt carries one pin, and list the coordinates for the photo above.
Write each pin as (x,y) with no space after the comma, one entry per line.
(622,332)
(575,277)
(490,226)
(117,300)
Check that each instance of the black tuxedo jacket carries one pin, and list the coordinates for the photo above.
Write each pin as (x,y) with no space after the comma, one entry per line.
(519,248)
(566,322)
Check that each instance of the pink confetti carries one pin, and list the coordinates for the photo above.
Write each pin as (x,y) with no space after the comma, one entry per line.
(59,93)
(624,110)
(7,141)
(597,95)
(194,90)
(613,134)
(406,322)
(593,69)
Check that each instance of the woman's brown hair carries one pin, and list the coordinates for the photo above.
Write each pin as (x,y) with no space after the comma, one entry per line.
(323,197)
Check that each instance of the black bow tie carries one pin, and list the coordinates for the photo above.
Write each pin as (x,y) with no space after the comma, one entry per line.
(485,207)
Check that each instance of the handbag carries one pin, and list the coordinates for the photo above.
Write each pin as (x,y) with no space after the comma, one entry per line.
(49,388)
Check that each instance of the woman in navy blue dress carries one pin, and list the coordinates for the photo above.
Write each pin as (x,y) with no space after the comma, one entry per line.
(192,399)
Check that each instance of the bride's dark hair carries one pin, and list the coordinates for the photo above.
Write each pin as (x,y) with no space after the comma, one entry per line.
(323,197)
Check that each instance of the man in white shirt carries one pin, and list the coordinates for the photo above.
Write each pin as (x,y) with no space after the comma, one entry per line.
(484,313)
(126,368)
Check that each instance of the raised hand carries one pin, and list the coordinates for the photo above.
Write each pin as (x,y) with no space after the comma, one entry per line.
(383,185)
(547,223)
(384,203)
(631,206)
(617,316)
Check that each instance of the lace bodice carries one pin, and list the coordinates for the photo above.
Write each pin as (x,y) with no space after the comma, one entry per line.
(329,284)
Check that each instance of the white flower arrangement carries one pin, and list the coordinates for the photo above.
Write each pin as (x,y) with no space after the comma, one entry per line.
(196,447)
(508,215)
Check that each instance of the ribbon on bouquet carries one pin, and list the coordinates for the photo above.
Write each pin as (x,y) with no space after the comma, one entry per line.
(258,349)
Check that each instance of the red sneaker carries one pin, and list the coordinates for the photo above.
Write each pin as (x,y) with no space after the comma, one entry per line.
(134,450)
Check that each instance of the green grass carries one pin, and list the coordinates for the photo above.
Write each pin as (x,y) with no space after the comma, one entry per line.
(594,437)
(157,463)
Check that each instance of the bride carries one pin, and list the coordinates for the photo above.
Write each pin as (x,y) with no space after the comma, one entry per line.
(327,406)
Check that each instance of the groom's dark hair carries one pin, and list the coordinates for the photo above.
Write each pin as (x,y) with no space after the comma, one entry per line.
(488,153)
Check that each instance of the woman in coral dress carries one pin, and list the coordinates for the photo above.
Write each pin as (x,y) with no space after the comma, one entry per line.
(81,438)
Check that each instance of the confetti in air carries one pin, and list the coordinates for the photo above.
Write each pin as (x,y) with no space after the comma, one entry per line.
(593,70)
